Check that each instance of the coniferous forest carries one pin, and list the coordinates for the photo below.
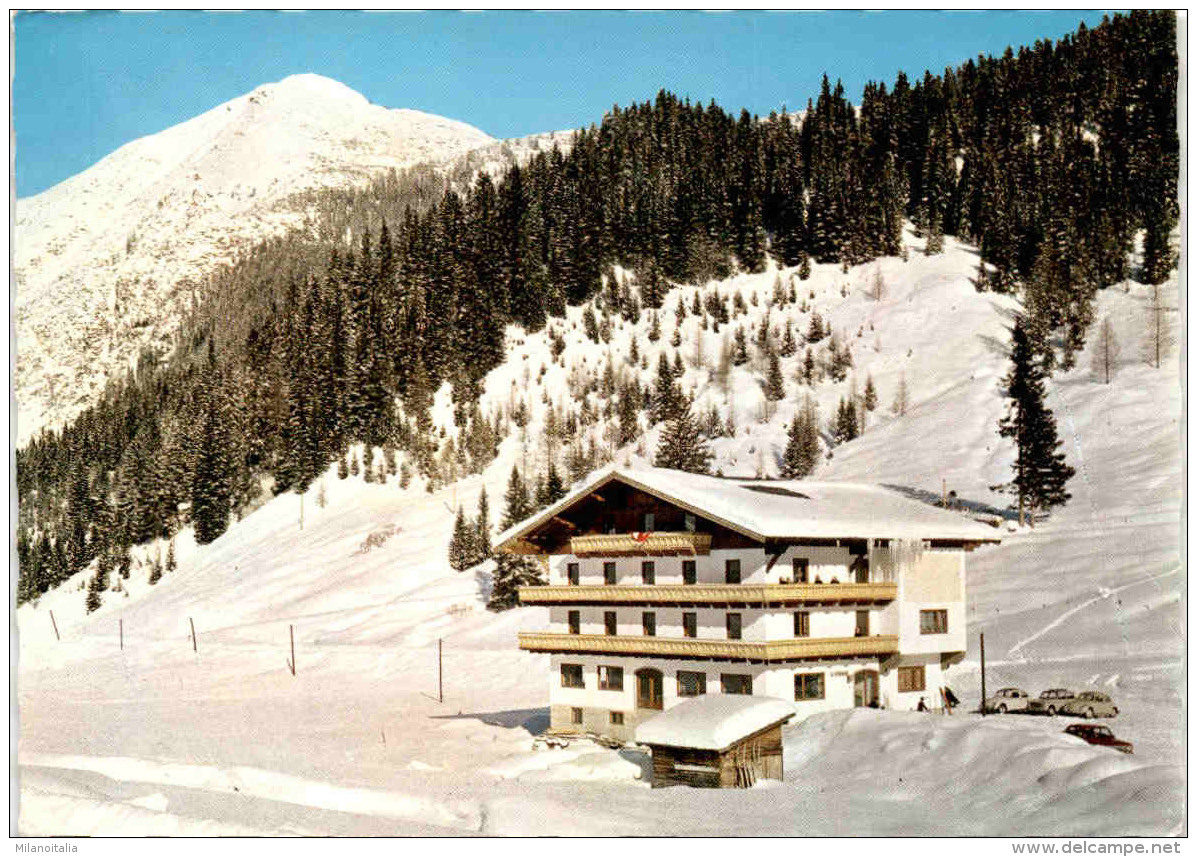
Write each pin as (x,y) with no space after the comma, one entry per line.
(310,348)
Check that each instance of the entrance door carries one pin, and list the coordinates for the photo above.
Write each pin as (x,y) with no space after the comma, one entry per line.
(650,689)
(865,689)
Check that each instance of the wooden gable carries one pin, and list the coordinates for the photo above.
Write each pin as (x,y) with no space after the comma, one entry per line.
(616,507)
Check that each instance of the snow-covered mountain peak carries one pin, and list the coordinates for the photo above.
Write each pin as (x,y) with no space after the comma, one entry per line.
(312,86)
(105,261)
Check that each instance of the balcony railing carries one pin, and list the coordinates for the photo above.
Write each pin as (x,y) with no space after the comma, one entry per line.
(714,593)
(641,544)
(687,647)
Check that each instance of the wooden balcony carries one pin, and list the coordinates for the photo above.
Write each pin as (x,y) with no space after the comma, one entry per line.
(712,594)
(641,544)
(803,648)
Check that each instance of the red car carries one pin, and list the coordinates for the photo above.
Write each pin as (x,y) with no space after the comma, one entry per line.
(1099,735)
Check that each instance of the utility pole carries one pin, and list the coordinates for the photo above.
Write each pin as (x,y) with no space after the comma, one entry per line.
(982,674)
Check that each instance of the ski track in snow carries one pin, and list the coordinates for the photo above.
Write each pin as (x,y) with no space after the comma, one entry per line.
(1055,623)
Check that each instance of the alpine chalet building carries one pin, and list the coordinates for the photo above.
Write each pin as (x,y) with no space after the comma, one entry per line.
(665,585)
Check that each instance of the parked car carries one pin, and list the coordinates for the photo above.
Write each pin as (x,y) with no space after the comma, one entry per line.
(1090,703)
(1050,701)
(1008,699)
(1093,733)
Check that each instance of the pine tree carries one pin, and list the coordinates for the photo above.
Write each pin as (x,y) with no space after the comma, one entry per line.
(482,549)
(95,586)
(814,332)
(666,394)
(210,489)
(775,387)
(809,368)
(512,572)
(654,329)
(846,425)
(461,544)
(1040,471)
(870,394)
(801,455)
(155,569)
(629,414)
(788,345)
(517,504)
(682,446)
(804,267)
(740,349)
(171,563)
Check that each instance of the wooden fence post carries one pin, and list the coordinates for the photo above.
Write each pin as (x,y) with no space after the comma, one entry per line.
(291,663)
(55,624)
(194,645)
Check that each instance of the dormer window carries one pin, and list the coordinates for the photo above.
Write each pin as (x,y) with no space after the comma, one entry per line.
(691,523)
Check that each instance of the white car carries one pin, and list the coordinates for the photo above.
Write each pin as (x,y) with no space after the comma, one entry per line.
(1008,699)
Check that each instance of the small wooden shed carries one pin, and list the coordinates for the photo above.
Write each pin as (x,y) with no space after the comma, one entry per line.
(717,741)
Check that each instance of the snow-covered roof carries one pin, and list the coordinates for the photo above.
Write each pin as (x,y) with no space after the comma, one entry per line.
(713,722)
(782,509)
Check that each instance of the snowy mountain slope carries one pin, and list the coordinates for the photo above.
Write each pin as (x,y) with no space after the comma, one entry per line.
(1090,598)
(106,260)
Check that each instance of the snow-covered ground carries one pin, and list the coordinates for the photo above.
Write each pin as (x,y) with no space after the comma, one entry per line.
(158,738)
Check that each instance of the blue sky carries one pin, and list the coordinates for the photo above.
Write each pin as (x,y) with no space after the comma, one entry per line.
(84,84)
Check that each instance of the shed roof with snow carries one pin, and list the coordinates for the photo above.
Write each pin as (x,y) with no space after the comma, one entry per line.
(713,722)
(780,509)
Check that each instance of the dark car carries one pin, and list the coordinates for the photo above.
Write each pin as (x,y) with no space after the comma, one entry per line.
(1092,733)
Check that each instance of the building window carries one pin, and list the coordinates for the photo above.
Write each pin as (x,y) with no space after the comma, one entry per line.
(650,522)
(648,573)
(610,678)
(733,626)
(808,686)
(689,624)
(933,621)
(691,684)
(609,625)
(689,571)
(732,683)
(802,624)
(862,623)
(571,675)
(575,621)
(690,523)
(911,679)
(617,718)
(860,570)
(572,574)
(801,570)
(649,621)
(609,573)
(575,715)
(731,571)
